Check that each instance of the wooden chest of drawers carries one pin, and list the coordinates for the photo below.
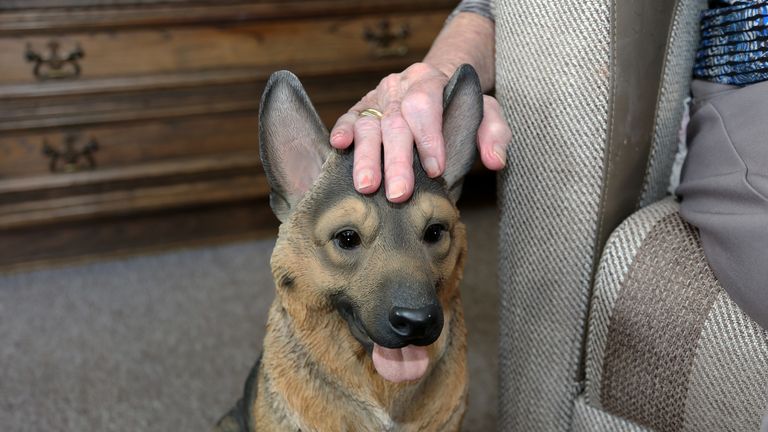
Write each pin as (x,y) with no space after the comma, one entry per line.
(132,123)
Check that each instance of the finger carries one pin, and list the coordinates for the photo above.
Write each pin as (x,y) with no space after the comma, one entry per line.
(493,135)
(423,111)
(366,173)
(343,132)
(398,156)
(397,140)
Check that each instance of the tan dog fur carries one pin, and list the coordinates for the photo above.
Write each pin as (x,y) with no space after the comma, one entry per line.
(300,324)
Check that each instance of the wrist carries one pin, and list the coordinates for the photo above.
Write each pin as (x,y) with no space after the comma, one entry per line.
(447,68)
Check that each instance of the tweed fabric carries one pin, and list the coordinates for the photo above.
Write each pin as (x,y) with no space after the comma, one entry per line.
(675,84)
(652,335)
(619,252)
(587,418)
(551,65)
(667,349)
(728,389)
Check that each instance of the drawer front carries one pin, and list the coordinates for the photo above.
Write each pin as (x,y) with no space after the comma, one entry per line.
(59,135)
(149,103)
(105,147)
(98,148)
(133,167)
(343,42)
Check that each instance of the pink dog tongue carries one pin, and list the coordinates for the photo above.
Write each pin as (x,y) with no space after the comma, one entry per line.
(403,364)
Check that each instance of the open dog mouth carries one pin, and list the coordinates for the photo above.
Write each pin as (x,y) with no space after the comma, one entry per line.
(406,363)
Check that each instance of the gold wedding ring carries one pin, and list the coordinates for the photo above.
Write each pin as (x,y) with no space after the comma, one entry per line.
(371,112)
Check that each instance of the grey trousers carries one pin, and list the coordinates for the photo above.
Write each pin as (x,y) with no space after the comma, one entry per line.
(724,188)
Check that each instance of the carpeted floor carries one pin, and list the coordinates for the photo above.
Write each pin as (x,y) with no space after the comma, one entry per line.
(164,342)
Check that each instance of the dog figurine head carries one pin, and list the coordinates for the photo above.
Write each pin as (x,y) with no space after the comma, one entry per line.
(380,278)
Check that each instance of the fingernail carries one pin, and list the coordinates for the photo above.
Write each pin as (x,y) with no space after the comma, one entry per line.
(336,137)
(431,167)
(364,179)
(500,153)
(395,188)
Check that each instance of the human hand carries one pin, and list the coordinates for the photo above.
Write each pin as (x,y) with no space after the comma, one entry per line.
(412,107)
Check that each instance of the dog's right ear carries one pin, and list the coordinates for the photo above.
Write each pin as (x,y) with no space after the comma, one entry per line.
(293,142)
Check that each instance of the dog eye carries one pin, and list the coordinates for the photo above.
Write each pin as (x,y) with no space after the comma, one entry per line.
(434,233)
(347,239)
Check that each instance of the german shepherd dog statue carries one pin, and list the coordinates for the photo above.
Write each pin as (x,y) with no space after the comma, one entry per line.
(366,332)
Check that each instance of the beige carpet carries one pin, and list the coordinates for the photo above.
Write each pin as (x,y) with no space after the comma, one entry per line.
(164,342)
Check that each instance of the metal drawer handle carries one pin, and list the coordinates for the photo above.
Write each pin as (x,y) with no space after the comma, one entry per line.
(70,156)
(55,66)
(386,42)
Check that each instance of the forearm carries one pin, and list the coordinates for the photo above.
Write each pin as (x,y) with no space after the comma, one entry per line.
(467,38)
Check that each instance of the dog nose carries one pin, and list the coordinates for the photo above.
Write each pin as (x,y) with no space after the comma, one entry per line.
(420,326)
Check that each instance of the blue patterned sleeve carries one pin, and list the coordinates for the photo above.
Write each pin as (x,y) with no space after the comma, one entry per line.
(734,43)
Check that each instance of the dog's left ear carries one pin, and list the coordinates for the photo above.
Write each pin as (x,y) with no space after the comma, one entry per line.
(293,142)
(462,113)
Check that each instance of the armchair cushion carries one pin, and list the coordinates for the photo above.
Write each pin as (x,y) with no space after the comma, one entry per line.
(667,348)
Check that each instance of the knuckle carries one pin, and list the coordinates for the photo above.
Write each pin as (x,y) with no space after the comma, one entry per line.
(498,129)
(419,68)
(340,122)
(391,80)
(366,157)
(366,127)
(366,100)
(395,169)
(340,129)
(392,110)
(389,93)
(394,124)
(364,161)
(417,101)
(428,142)
(399,159)
(347,119)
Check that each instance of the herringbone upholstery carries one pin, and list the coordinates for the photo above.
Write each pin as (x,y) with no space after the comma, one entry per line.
(555,65)
(557,102)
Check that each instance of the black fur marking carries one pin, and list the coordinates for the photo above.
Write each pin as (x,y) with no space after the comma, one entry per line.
(346,309)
